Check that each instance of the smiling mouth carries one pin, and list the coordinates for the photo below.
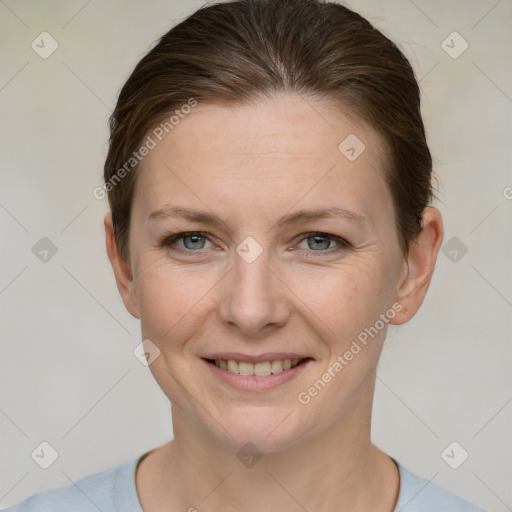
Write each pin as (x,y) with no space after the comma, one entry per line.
(261,369)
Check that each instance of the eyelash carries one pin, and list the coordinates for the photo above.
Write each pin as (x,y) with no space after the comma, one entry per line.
(169,242)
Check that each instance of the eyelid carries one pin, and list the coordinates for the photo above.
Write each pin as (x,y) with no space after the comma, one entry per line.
(171,239)
(342,243)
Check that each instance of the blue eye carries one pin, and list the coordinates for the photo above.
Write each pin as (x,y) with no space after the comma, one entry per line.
(194,242)
(322,241)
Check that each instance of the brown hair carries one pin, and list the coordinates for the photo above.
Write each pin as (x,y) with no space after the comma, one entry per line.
(234,52)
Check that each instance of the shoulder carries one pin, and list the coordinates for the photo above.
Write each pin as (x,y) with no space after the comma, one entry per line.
(420,495)
(110,490)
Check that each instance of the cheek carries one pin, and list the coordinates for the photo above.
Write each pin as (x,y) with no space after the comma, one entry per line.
(339,299)
(169,300)
(345,297)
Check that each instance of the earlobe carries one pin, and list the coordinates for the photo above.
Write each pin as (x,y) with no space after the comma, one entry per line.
(420,265)
(122,269)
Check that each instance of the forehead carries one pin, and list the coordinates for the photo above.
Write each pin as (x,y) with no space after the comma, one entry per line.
(277,150)
(281,126)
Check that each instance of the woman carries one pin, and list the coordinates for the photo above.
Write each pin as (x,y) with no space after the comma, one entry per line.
(269,183)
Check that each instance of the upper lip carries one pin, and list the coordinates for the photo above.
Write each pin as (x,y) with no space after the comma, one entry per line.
(267,356)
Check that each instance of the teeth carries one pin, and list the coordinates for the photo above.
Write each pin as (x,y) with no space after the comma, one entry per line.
(261,369)
(232,366)
(245,368)
(276,366)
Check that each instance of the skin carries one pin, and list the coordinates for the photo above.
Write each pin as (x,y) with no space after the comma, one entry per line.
(250,165)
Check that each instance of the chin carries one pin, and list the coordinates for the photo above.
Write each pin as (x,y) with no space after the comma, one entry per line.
(269,429)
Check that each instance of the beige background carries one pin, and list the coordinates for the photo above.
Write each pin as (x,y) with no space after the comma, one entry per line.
(67,372)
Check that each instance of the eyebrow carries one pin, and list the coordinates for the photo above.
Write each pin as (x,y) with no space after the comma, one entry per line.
(211,219)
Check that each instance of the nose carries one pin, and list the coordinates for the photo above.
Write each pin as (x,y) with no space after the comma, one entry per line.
(254,300)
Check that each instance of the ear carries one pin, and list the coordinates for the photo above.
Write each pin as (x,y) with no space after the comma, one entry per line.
(420,265)
(122,270)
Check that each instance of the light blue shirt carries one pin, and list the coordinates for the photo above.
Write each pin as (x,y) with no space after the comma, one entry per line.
(113,490)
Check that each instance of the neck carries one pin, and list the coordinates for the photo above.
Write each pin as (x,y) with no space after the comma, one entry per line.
(337,469)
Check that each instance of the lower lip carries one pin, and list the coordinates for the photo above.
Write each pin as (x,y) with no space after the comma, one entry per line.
(254,382)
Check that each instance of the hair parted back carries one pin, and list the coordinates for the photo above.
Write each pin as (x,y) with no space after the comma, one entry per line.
(238,51)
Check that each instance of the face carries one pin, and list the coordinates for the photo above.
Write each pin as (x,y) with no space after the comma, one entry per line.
(234,264)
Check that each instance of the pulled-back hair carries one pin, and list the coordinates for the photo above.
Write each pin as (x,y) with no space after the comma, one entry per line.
(238,51)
